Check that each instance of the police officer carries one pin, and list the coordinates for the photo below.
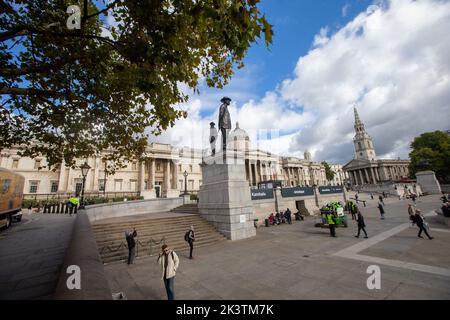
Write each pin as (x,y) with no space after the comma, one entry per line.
(331,224)
(73,203)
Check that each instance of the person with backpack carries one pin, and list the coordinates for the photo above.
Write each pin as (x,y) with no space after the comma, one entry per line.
(189,237)
(420,222)
(169,262)
(129,236)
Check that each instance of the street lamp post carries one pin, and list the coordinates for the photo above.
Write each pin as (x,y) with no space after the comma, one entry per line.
(185,174)
(276,198)
(84,171)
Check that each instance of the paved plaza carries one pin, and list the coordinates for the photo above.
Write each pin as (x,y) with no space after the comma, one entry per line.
(300,261)
(32,253)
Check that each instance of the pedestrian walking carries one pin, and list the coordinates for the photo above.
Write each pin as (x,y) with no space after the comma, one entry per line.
(411,213)
(353,210)
(420,222)
(371,195)
(331,224)
(129,236)
(169,262)
(381,198)
(190,238)
(413,197)
(361,225)
(356,197)
(381,208)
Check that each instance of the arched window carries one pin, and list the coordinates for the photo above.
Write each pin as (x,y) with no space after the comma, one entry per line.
(359,145)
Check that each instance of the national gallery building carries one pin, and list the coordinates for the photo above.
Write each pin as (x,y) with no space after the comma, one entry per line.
(163,174)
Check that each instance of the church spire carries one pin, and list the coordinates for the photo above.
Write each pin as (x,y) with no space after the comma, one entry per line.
(364,148)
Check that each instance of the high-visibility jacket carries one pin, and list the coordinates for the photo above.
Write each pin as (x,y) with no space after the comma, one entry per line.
(73,200)
(330,219)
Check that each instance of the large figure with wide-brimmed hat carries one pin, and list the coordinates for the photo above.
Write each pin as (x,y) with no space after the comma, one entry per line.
(224,121)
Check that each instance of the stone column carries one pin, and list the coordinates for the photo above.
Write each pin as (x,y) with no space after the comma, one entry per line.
(151,173)
(361,176)
(257,177)
(250,172)
(62,176)
(141,176)
(167,175)
(174,175)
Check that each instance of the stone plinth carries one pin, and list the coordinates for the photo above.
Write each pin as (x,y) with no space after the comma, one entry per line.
(224,197)
(428,182)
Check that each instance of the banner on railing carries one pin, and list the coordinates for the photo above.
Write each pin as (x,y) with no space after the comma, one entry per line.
(330,190)
(260,194)
(297,192)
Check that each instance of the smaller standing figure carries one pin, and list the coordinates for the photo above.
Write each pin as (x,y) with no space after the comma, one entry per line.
(212,137)
(129,236)
(381,208)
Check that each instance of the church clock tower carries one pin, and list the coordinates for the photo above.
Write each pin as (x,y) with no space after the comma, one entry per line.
(364,148)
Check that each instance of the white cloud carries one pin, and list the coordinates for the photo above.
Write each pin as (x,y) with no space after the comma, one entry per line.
(393,60)
(345,9)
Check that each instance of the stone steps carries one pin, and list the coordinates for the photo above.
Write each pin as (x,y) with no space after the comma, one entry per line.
(186,208)
(112,246)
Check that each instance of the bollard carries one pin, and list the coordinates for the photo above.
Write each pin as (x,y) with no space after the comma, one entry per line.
(266,222)
(66,211)
(62,207)
(53,208)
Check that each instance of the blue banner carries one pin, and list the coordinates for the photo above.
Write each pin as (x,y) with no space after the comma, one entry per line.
(259,194)
(297,192)
(330,189)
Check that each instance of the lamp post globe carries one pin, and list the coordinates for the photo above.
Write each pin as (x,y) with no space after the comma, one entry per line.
(84,172)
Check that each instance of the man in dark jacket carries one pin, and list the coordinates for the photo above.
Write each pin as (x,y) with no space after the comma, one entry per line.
(191,239)
(418,219)
(288,216)
(224,121)
(361,224)
(131,245)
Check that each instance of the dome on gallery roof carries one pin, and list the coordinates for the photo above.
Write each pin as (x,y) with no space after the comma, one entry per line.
(239,139)
(239,134)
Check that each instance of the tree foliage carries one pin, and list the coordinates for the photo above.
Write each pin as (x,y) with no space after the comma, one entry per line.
(75,93)
(328,172)
(433,147)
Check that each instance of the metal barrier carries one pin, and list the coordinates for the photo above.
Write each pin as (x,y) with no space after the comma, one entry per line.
(150,243)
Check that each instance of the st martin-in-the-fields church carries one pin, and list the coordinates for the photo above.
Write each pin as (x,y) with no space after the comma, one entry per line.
(365,168)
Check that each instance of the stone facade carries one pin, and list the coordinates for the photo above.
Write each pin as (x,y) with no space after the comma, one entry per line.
(162,174)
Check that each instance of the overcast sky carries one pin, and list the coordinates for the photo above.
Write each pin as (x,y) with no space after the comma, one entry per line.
(390,58)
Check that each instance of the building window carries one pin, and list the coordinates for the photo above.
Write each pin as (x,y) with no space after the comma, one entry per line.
(158,166)
(6,184)
(54,187)
(191,185)
(359,145)
(78,186)
(34,186)
(181,184)
(37,164)
(118,185)
(190,168)
(101,184)
(179,168)
(133,185)
(15,163)
(134,166)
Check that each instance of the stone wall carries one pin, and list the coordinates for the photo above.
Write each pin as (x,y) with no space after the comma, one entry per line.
(130,208)
(83,253)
